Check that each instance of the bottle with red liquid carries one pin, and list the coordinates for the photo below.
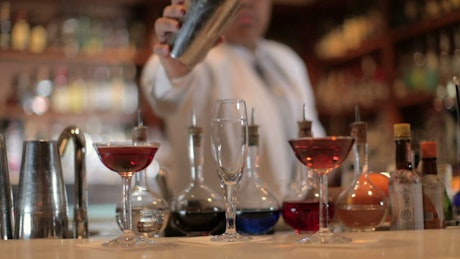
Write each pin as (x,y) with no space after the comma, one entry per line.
(361,206)
(300,208)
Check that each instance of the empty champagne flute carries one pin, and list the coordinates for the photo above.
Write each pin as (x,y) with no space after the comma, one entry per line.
(229,131)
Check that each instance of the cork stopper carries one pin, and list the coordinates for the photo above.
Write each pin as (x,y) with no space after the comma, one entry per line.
(253,131)
(195,131)
(359,131)
(304,125)
(428,149)
(401,131)
(304,128)
(140,133)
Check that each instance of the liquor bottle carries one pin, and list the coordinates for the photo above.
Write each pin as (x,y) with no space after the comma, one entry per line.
(405,185)
(5,25)
(257,209)
(432,186)
(150,212)
(197,210)
(20,32)
(361,206)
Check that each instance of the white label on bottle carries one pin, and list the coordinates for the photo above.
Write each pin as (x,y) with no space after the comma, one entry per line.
(433,205)
(406,206)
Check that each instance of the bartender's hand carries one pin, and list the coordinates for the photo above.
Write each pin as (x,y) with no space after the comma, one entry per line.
(164,26)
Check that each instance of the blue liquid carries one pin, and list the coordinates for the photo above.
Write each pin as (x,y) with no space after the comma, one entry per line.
(256,222)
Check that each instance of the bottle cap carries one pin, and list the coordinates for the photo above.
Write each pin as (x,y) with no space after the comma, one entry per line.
(428,149)
(359,131)
(401,131)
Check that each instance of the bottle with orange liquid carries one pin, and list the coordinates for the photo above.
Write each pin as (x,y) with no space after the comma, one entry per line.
(362,206)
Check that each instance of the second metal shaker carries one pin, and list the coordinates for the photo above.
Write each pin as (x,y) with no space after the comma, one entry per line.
(6,197)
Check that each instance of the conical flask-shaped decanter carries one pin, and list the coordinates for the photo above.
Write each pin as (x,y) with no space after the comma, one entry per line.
(150,212)
(197,210)
(257,210)
(362,206)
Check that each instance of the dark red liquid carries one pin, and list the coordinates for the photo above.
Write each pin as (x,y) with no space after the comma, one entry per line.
(199,223)
(322,153)
(303,216)
(126,159)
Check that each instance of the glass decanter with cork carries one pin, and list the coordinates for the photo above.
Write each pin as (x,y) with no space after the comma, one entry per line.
(362,206)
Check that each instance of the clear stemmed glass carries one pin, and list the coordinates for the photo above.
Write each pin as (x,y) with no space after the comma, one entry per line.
(229,131)
(126,158)
(322,155)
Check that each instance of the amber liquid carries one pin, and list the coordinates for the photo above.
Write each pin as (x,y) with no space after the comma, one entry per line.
(303,216)
(126,160)
(362,217)
(322,153)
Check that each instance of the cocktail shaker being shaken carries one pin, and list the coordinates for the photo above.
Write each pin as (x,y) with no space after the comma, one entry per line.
(202,24)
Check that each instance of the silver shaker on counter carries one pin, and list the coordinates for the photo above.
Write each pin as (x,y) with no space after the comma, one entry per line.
(6,195)
(202,24)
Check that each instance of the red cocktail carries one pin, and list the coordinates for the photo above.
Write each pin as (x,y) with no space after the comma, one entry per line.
(126,159)
(322,155)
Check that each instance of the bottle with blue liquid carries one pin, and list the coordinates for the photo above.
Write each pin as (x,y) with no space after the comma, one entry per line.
(257,210)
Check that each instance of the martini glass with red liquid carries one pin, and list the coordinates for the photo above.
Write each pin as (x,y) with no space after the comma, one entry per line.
(322,155)
(127,158)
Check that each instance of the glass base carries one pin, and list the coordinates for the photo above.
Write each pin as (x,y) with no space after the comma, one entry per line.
(128,239)
(324,237)
(230,237)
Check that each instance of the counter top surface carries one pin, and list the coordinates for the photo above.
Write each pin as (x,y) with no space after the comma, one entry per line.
(443,243)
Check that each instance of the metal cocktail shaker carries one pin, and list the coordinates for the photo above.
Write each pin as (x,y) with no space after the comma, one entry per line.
(203,23)
(6,197)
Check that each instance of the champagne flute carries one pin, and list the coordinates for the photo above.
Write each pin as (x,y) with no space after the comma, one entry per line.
(322,155)
(127,158)
(229,131)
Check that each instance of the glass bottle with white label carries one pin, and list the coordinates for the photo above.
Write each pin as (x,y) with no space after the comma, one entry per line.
(405,185)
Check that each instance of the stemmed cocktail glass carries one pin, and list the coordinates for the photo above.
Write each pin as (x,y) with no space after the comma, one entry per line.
(229,130)
(322,155)
(126,158)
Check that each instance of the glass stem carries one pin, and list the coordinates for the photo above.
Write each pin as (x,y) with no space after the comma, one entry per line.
(126,213)
(324,204)
(230,199)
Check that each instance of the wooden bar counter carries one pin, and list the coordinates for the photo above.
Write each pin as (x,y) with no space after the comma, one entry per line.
(443,243)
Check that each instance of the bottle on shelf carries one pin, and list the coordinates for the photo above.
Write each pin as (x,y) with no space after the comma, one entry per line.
(5,25)
(197,210)
(361,206)
(432,186)
(20,32)
(300,207)
(257,209)
(405,185)
(150,212)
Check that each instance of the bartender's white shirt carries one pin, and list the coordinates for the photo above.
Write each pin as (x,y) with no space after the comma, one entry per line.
(228,72)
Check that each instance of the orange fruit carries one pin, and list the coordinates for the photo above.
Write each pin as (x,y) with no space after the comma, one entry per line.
(380,181)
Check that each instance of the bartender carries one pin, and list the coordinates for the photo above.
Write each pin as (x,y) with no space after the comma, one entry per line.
(268,75)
